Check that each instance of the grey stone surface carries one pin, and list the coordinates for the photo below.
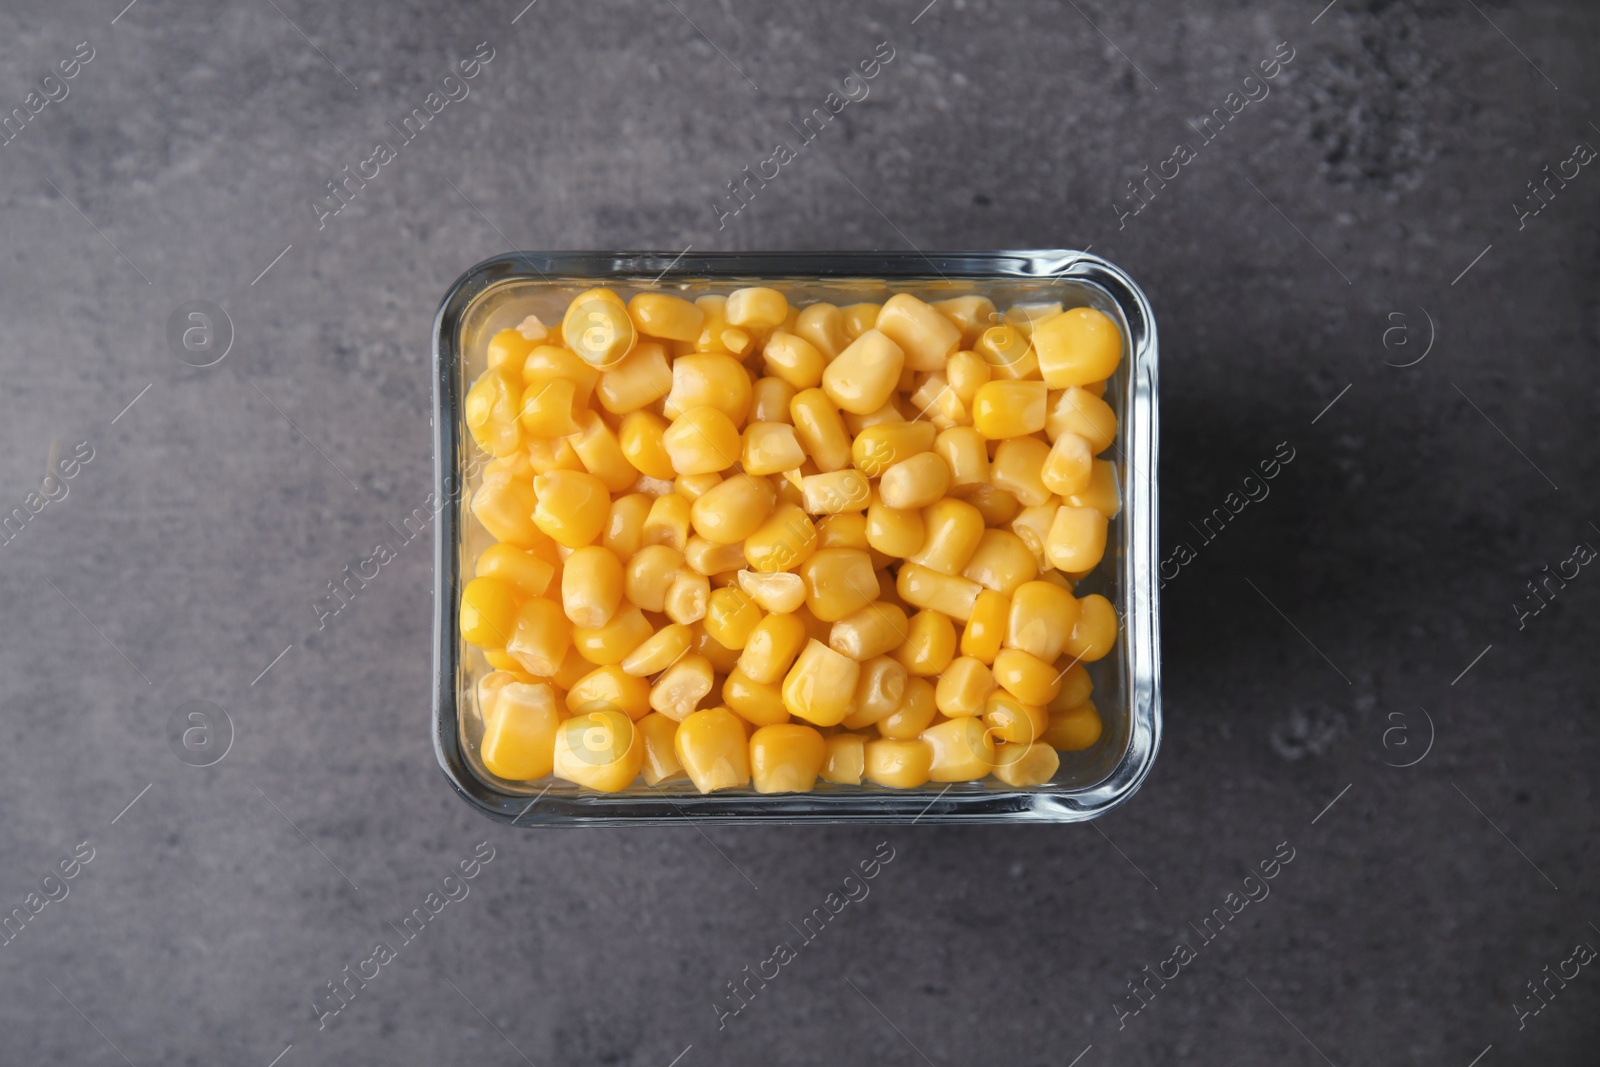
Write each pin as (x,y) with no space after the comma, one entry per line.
(1388,156)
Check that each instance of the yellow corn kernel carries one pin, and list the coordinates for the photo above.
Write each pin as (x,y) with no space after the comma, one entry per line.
(757,703)
(914,714)
(1040,620)
(1009,409)
(857,319)
(963,750)
(1007,351)
(882,445)
(771,448)
(948,594)
(1095,632)
(1068,466)
(650,573)
(770,399)
(926,337)
(600,750)
(572,507)
(930,644)
(954,530)
(1013,721)
(838,581)
(1021,766)
(1078,411)
(668,522)
(546,454)
(659,732)
(1033,526)
(1077,539)
(887,415)
(777,592)
(490,411)
(870,632)
(489,686)
(1075,729)
(516,465)
(966,373)
(597,328)
(637,381)
(591,586)
(1103,493)
(504,505)
(713,325)
(1002,562)
(702,440)
(821,685)
(609,688)
(933,397)
(526,572)
(820,429)
(538,638)
(823,326)
(519,737)
(898,764)
(963,450)
(847,529)
(612,642)
(658,651)
(1076,686)
(508,347)
(1027,317)
(500,661)
(687,597)
(846,759)
(694,486)
(548,362)
(786,758)
(663,315)
(997,506)
(986,628)
(793,359)
(488,611)
(880,692)
(835,492)
(969,314)
(711,745)
(915,482)
(1026,677)
(896,532)
(711,559)
(785,541)
(1016,468)
(733,510)
(863,377)
(771,648)
(1077,347)
(624,530)
(756,308)
(709,380)
(680,688)
(573,668)
(964,687)
(731,617)
(602,454)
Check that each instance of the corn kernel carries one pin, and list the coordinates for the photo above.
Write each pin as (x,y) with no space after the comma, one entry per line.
(823,326)
(711,745)
(756,703)
(1041,619)
(539,638)
(964,687)
(682,686)
(490,411)
(711,559)
(771,448)
(863,377)
(1027,317)
(986,628)
(882,445)
(930,643)
(838,581)
(694,486)
(713,324)
(821,685)
(1026,677)
(1012,721)
(526,572)
(508,347)
(954,530)
(1033,526)
(547,362)
(914,714)
(1016,469)
(502,662)
(637,381)
(612,642)
(1078,411)
(870,632)
(1077,539)
(926,337)
(1007,351)
(785,541)
(898,764)
(951,595)
(1067,468)
(609,687)
(702,440)
(896,532)
(546,454)
(969,314)
(659,734)
(997,506)
(1021,766)
(598,329)
(658,651)
(880,692)
(793,359)
(519,737)
(1095,632)
(1009,409)
(848,529)
(771,648)
(966,373)
(1077,347)
(573,668)
(505,505)
(488,612)
(709,380)
(572,507)
(1073,730)
(731,617)
(963,750)
(591,586)
(599,750)
(786,758)
(859,318)
(687,597)
(1075,686)
(963,450)
(770,399)
(820,429)
(846,759)
(1103,494)
(915,482)
(835,492)
(650,573)
(733,510)
(779,592)
(757,307)
(663,315)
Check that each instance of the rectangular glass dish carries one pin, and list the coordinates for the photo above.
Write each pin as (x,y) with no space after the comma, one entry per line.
(500,292)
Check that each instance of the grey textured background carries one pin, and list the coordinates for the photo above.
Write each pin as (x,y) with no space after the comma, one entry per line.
(1396,142)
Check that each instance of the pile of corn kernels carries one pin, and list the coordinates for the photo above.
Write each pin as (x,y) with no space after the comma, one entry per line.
(752,544)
